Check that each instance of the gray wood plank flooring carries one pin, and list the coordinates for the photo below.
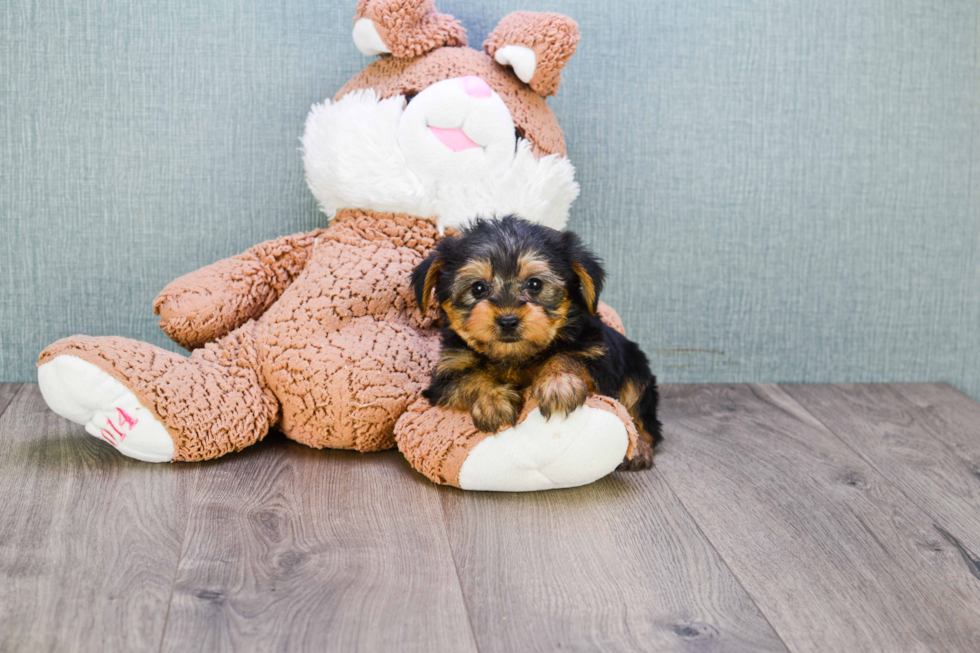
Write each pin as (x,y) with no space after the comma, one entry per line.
(951,417)
(905,444)
(836,557)
(614,566)
(290,548)
(7,392)
(89,539)
(777,518)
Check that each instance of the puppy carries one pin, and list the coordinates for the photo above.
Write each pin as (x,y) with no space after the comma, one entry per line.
(520,300)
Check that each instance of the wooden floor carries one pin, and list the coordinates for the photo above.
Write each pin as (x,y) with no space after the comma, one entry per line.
(778,518)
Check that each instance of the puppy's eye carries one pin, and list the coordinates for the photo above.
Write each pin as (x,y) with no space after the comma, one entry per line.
(479,290)
(534,285)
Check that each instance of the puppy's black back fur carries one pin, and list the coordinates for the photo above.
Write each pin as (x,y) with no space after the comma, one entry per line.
(635,366)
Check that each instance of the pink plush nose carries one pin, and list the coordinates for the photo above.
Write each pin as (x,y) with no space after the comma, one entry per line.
(475,87)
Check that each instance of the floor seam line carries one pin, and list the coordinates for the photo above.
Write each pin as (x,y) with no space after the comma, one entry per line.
(721,558)
(20,389)
(452,556)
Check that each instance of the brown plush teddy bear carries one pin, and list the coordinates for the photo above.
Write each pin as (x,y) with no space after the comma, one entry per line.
(318,334)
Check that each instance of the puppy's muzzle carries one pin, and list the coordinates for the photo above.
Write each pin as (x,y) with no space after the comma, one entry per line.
(508,324)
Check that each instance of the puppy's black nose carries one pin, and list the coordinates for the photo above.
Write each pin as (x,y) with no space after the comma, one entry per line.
(508,322)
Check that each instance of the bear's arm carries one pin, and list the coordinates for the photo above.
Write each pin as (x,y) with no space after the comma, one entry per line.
(610,317)
(206,304)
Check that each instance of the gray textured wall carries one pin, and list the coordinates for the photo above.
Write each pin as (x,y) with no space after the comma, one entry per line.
(782,190)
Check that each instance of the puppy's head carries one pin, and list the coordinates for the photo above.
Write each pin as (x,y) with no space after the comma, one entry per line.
(510,288)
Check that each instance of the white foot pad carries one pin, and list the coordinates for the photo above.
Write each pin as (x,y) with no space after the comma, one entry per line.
(543,455)
(83,393)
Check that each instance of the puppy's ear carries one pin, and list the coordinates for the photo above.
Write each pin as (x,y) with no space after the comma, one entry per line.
(424,278)
(426,275)
(587,268)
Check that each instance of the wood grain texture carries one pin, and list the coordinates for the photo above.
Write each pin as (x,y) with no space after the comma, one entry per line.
(615,566)
(836,520)
(951,417)
(89,540)
(904,441)
(7,392)
(836,557)
(296,549)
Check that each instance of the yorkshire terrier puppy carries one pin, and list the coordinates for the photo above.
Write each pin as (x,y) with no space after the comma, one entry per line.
(520,300)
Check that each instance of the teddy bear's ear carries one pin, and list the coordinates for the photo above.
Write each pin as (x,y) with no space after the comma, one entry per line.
(404,28)
(536,46)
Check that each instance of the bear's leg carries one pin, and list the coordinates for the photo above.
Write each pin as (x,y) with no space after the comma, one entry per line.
(536,454)
(158,406)
(346,388)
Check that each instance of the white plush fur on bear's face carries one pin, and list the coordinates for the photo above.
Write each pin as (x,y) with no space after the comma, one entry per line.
(482,125)
(364,152)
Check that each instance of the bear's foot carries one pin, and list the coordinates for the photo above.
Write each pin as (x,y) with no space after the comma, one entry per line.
(81,392)
(536,454)
(545,454)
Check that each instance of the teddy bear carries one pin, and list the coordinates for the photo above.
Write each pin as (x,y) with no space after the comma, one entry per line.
(318,334)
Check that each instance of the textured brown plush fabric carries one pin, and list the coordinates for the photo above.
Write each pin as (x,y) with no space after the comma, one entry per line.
(553,38)
(411,27)
(610,317)
(334,361)
(345,348)
(208,303)
(436,441)
(212,403)
(391,76)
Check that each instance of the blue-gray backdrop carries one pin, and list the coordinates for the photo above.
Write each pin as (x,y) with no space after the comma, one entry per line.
(783,190)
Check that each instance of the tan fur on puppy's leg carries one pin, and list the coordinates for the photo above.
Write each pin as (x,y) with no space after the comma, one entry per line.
(629,395)
(496,409)
(492,405)
(561,385)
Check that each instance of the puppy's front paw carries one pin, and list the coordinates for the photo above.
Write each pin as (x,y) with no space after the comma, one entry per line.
(559,393)
(496,409)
